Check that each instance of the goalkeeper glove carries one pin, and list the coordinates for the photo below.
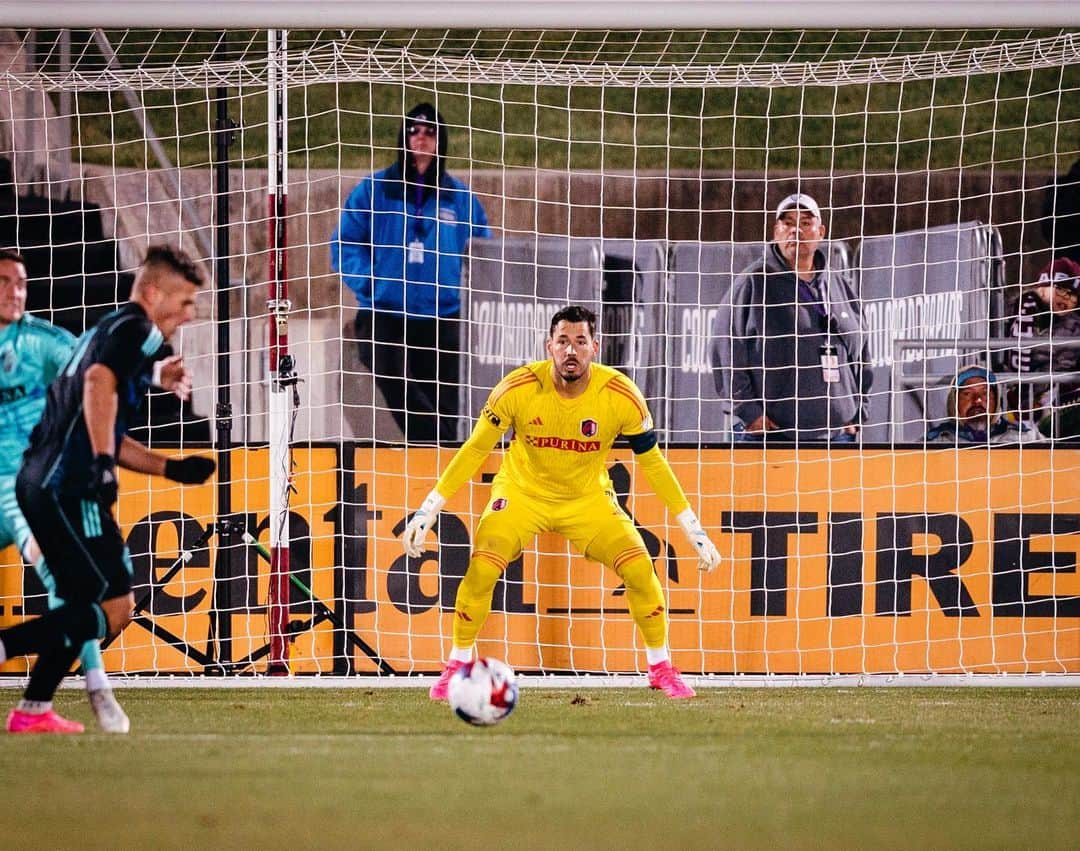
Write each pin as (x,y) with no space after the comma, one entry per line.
(101,484)
(189,471)
(421,523)
(708,554)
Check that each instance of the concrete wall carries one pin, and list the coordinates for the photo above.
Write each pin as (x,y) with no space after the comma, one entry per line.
(614,206)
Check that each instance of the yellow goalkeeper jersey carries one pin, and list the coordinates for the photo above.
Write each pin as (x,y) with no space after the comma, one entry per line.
(560,446)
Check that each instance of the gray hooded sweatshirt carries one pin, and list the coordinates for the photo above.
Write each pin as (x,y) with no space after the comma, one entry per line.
(767,350)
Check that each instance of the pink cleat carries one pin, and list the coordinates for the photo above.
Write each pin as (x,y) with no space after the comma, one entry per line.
(44,722)
(666,677)
(441,689)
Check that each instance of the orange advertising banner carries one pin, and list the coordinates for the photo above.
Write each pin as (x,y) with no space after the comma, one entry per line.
(835,561)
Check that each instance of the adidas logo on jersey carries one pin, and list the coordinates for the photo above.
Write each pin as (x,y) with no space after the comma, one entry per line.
(536,421)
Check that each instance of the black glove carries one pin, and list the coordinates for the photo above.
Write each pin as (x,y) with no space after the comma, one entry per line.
(101,483)
(189,471)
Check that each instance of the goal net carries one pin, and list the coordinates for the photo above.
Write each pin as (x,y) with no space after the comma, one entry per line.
(638,173)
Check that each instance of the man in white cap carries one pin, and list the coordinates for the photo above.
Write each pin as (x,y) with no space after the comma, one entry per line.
(792,354)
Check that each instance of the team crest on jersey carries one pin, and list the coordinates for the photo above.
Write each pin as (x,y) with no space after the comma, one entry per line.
(589,428)
(7,359)
(499,504)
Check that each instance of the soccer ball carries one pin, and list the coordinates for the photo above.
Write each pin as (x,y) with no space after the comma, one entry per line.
(483,692)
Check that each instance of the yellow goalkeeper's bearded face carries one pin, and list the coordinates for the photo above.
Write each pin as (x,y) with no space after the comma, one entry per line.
(572,349)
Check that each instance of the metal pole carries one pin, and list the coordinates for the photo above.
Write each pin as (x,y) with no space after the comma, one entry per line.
(64,117)
(220,619)
(282,376)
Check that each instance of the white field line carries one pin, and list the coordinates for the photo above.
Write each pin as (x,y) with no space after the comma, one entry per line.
(561,681)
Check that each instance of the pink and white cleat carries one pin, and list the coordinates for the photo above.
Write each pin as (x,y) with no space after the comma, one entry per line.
(666,677)
(441,689)
(43,722)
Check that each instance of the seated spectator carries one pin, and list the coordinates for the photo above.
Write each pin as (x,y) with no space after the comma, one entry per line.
(1047,310)
(974,415)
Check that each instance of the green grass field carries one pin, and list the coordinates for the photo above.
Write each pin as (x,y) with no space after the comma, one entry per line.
(603,768)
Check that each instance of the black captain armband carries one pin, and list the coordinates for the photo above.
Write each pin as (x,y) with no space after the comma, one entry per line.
(642,442)
(492,417)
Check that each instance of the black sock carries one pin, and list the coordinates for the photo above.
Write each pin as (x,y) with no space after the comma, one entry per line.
(71,625)
(49,671)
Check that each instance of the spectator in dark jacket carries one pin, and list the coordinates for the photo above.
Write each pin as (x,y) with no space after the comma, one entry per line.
(1049,312)
(795,363)
(399,247)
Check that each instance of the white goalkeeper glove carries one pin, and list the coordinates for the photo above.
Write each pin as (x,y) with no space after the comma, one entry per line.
(708,554)
(421,523)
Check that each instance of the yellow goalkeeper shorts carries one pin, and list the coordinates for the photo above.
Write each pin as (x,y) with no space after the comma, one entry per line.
(596,525)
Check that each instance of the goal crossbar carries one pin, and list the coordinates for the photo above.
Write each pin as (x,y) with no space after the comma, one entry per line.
(340,62)
(550,14)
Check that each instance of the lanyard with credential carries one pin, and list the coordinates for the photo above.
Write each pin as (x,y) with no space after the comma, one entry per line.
(830,357)
(417,226)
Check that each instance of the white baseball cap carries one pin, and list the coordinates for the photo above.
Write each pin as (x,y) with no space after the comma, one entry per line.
(799,201)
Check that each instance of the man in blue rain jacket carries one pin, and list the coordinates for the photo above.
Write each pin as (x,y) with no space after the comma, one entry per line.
(399,247)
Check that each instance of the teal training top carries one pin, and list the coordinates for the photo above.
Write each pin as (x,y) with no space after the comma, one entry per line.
(32,352)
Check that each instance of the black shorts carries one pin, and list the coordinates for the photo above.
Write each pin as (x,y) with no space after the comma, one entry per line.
(80,541)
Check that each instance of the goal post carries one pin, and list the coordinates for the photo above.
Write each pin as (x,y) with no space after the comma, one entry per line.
(629,157)
(281,374)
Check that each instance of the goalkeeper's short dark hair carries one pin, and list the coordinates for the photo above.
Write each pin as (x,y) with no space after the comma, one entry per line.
(175,260)
(574,313)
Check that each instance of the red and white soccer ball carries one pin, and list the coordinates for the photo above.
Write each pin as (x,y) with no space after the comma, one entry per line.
(483,692)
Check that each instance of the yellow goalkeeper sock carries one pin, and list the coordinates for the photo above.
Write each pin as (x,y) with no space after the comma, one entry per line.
(644,596)
(473,602)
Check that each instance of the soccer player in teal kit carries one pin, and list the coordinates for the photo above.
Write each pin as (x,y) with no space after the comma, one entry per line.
(32,353)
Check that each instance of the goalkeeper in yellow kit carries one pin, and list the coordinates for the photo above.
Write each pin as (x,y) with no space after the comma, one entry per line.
(566,413)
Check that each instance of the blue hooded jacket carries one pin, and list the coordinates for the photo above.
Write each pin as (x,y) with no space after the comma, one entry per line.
(396,208)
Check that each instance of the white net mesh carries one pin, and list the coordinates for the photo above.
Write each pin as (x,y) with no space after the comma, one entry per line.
(638,173)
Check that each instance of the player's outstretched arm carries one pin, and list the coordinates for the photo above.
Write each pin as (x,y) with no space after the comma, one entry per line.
(100,407)
(462,468)
(192,470)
